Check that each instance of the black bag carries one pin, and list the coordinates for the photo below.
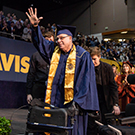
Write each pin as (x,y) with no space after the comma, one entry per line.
(52,120)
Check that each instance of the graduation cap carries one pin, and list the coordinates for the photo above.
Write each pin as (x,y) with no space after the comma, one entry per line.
(127,62)
(66,29)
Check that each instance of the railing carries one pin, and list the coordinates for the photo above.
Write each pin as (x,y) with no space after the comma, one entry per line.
(11,35)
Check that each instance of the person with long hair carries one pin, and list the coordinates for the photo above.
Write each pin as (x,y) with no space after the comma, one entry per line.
(126,90)
(115,71)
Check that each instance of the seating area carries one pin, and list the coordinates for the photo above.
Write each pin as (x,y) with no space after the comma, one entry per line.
(14,27)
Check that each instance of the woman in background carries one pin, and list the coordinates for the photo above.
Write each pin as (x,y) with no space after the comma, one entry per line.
(126,90)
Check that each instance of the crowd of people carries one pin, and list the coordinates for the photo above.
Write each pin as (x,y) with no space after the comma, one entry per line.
(21,29)
(13,27)
(112,50)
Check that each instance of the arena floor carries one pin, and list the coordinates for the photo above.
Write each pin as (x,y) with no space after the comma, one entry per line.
(18,120)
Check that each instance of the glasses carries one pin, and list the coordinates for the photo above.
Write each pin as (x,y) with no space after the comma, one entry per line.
(61,38)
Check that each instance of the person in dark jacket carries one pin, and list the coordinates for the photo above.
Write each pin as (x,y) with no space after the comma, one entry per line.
(106,85)
(38,74)
(107,90)
(36,78)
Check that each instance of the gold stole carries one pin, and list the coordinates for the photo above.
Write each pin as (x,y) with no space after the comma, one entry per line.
(69,74)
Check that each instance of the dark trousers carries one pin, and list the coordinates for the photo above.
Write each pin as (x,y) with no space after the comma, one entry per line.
(92,126)
(38,90)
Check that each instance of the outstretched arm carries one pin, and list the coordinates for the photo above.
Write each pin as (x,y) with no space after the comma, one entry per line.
(44,47)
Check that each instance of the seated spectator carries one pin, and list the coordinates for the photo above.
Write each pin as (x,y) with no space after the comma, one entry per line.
(118,50)
(126,57)
(124,44)
(25,23)
(42,30)
(80,41)
(27,33)
(114,43)
(96,42)
(8,16)
(92,41)
(102,51)
(104,56)
(117,46)
(53,27)
(126,49)
(103,42)
(5,27)
(78,35)
(9,21)
(14,19)
(115,53)
(132,41)
(83,39)
(13,14)
(48,28)
(107,56)
(130,55)
(108,48)
(102,47)
(121,48)
(87,37)
(21,21)
(86,48)
(111,55)
(12,29)
(121,58)
(3,21)
(88,42)
(76,42)
(2,15)
(131,48)
(19,28)
(115,71)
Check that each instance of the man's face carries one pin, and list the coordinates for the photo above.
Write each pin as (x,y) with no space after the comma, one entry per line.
(65,42)
(96,60)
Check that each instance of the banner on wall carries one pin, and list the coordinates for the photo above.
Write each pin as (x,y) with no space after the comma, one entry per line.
(112,62)
(14,59)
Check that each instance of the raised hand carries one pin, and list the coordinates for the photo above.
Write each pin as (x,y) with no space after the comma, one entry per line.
(33,17)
